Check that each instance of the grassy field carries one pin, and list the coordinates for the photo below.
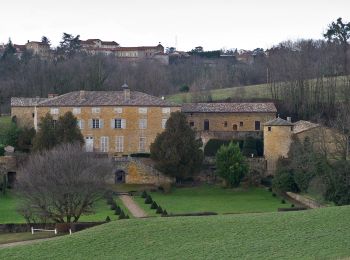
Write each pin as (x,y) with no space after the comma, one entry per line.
(314,234)
(216,199)
(261,91)
(5,124)
(10,202)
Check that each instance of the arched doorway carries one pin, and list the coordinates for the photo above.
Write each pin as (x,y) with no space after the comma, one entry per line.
(119,176)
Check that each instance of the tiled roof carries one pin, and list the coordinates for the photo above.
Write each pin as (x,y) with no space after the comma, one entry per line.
(302,126)
(26,102)
(278,122)
(229,108)
(105,98)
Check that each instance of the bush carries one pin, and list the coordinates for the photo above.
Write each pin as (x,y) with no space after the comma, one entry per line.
(292,209)
(154,205)
(249,147)
(270,189)
(117,211)
(184,89)
(108,219)
(267,181)
(274,195)
(140,155)
(148,200)
(122,215)
(159,210)
(165,213)
(113,206)
(284,180)
(127,217)
(144,194)
(110,201)
(283,201)
(2,150)
(292,206)
(213,145)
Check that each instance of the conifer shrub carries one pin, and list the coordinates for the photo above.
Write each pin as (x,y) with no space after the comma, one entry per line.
(117,211)
(113,206)
(122,215)
(283,201)
(108,219)
(159,210)
(148,200)
(154,205)
(165,213)
(144,194)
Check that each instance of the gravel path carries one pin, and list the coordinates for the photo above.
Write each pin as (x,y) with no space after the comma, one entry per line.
(27,242)
(132,206)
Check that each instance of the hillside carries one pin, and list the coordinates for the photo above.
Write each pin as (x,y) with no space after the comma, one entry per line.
(322,233)
(261,91)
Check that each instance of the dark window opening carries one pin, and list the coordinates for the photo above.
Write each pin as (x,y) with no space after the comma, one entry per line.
(234,127)
(33,115)
(206,125)
(257,125)
(225,124)
(191,124)
(119,177)
(240,123)
(269,128)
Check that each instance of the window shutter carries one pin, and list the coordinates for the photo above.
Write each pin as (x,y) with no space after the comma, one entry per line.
(90,123)
(112,124)
(101,123)
(123,123)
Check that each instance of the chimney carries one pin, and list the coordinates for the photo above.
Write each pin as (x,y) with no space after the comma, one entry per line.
(82,94)
(289,119)
(126,91)
(51,95)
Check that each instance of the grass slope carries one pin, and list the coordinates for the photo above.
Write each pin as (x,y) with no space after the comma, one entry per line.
(214,198)
(322,233)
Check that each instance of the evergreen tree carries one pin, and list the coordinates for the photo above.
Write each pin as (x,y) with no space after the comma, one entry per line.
(231,164)
(67,130)
(176,151)
(46,135)
(10,50)
(69,45)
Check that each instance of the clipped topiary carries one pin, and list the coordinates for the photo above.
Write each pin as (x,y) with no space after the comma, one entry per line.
(159,210)
(144,194)
(165,213)
(117,211)
(148,200)
(108,219)
(274,195)
(154,205)
(127,217)
(292,206)
(122,215)
(283,201)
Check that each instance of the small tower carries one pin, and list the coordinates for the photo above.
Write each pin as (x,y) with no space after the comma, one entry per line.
(277,140)
(126,91)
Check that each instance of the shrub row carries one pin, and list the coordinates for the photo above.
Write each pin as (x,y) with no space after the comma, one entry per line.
(292,209)
(154,205)
(192,214)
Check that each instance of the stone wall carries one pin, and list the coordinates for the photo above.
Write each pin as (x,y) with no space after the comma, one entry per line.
(141,171)
(24,116)
(310,203)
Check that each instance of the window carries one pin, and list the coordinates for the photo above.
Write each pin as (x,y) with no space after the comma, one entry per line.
(117,123)
(80,123)
(225,124)
(119,144)
(234,127)
(164,122)
(96,123)
(269,129)
(33,115)
(142,144)
(206,125)
(257,125)
(118,110)
(142,123)
(54,111)
(241,124)
(104,144)
(95,110)
(166,110)
(191,124)
(76,110)
(142,110)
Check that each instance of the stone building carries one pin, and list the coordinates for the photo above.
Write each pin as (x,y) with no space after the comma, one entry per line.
(228,120)
(114,122)
(38,48)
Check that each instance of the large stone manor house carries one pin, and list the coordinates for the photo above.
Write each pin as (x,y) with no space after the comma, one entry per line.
(126,122)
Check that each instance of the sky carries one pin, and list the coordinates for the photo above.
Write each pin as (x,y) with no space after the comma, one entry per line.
(213,24)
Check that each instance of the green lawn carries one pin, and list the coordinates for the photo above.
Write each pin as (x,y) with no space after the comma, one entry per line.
(5,124)
(216,199)
(313,234)
(9,204)
(16,237)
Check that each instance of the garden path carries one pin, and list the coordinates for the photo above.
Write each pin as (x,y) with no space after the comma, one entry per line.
(132,206)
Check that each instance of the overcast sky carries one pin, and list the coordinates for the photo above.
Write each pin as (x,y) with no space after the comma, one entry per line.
(213,24)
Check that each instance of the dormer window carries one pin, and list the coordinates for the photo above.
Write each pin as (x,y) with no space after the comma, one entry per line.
(96,110)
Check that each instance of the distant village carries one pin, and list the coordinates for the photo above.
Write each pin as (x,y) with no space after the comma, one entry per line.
(155,53)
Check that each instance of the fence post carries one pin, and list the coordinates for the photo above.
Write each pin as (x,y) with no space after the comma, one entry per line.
(70,231)
(55,231)
(32,229)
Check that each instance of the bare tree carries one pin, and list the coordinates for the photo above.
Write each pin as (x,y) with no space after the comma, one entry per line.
(62,184)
